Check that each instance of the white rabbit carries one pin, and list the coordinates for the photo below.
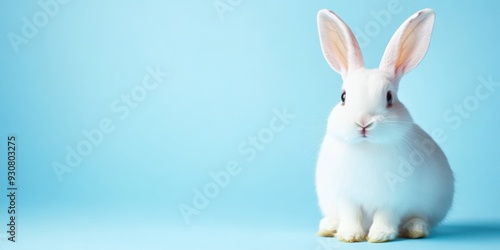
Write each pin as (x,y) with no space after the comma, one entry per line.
(378,175)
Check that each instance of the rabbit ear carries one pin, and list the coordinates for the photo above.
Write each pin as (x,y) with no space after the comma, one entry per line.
(340,47)
(409,44)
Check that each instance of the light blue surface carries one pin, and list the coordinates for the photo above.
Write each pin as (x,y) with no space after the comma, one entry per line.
(230,77)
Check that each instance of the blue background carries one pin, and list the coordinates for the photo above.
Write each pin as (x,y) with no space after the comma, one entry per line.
(227,73)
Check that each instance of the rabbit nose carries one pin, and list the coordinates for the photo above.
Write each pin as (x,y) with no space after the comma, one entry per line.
(364,125)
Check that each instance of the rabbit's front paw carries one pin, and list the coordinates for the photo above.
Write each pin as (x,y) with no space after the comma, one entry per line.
(381,234)
(352,234)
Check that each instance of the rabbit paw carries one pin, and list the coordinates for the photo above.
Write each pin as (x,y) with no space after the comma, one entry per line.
(414,229)
(353,234)
(381,234)
(328,227)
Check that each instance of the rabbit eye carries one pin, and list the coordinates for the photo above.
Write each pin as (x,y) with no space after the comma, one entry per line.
(389,98)
(342,98)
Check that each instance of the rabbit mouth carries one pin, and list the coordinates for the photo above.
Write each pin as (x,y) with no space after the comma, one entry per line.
(364,128)
(363,132)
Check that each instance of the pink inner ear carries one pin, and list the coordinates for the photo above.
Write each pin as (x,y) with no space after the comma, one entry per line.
(404,54)
(342,57)
(333,51)
(340,47)
(409,44)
